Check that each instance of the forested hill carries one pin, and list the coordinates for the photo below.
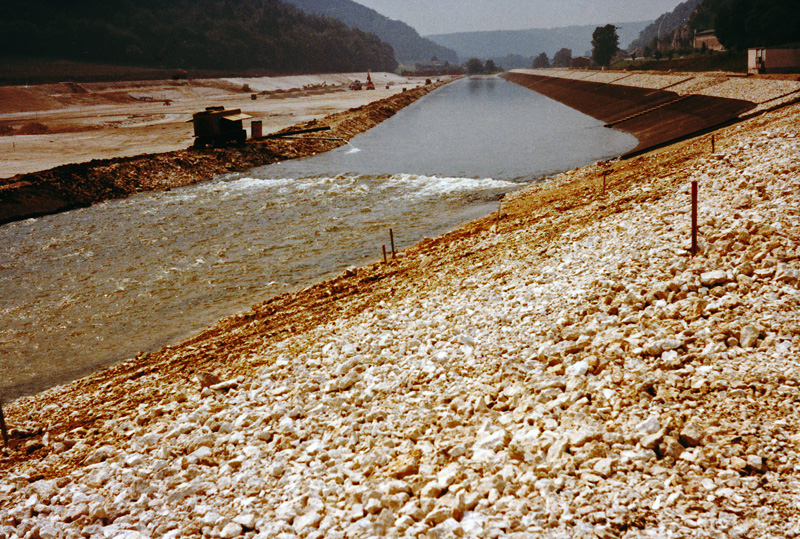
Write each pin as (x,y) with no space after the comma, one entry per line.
(666,24)
(409,46)
(739,24)
(266,35)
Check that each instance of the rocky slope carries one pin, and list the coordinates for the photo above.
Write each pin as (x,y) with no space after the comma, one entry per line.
(561,369)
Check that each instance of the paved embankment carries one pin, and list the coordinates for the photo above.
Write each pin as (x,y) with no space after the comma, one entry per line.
(659,109)
(563,370)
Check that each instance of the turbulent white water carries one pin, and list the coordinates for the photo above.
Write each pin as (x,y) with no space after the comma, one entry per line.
(86,288)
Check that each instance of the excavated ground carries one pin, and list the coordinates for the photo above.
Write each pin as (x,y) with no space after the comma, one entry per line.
(73,186)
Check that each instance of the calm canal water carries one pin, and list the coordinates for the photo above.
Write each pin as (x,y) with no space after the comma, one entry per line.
(84,289)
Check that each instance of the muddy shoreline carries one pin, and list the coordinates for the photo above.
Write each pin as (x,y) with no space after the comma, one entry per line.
(74,186)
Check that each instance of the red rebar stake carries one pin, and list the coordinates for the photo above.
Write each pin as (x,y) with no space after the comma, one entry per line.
(391,237)
(385,261)
(694,218)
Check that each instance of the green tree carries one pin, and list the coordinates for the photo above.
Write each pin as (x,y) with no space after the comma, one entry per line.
(605,43)
(541,61)
(473,66)
(730,24)
(741,24)
(563,58)
(490,66)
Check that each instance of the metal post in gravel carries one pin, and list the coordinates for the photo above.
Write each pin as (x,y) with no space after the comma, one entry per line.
(3,425)
(713,144)
(694,218)
(385,261)
(391,238)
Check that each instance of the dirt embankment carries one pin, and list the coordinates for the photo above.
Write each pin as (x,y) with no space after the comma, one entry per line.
(74,186)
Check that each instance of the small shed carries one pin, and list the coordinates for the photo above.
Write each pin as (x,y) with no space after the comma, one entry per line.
(768,60)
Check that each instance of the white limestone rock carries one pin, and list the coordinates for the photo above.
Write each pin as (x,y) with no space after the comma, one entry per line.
(713,278)
(651,425)
(231,530)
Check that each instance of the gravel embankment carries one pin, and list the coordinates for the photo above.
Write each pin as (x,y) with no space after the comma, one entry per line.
(569,372)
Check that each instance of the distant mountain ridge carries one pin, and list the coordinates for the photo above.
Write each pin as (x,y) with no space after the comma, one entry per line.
(409,46)
(530,43)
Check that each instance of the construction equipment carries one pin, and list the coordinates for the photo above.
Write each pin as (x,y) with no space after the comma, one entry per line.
(217,126)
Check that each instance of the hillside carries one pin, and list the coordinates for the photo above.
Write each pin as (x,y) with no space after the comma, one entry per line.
(756,23)
(409,46)
(497,44)
(265,35)
(738,24)
(666,24)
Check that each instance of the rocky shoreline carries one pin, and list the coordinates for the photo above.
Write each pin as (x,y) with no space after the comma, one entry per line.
(74,186)
(561,369)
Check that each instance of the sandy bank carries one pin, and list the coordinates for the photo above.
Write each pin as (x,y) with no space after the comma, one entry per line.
(565,369)
(71,186)
(80,122)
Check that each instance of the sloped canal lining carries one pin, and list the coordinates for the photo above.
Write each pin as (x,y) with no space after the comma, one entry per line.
(84,289)
(655,117)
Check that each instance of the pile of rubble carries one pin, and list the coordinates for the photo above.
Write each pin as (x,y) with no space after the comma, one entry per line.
(600,383)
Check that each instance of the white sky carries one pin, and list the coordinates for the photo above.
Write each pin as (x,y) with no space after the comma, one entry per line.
(449,16)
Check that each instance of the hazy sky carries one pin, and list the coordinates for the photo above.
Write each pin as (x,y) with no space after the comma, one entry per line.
(448,16)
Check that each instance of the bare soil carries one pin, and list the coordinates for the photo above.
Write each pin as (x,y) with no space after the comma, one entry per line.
(104,144)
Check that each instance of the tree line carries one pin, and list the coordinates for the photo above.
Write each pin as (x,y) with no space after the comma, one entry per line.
(743,24)
(562,58)
(265,35)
